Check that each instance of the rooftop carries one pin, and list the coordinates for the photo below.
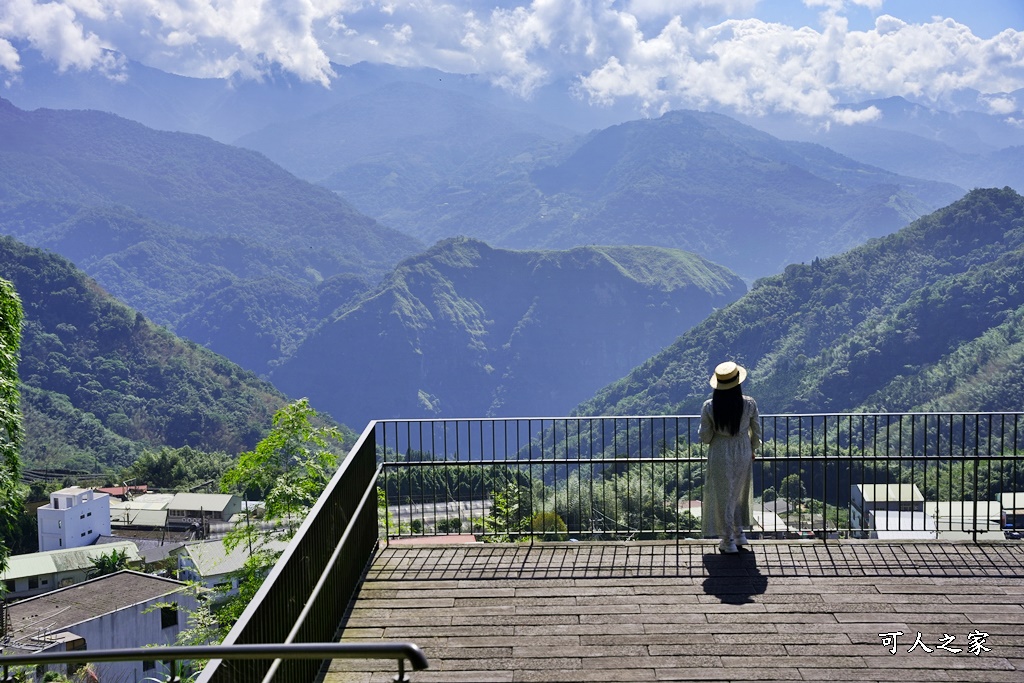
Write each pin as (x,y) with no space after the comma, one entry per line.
(63,608)
(660,611)
(65,559)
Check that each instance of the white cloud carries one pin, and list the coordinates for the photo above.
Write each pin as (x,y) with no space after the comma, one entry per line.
(1001,104)
(662,53)
(54,30)
(849,117)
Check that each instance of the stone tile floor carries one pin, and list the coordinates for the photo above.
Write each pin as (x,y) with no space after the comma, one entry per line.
(667,611)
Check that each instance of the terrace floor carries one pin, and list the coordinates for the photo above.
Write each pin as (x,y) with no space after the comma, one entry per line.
(667,611)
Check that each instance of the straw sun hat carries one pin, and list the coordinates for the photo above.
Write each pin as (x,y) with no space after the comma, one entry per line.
(728,375)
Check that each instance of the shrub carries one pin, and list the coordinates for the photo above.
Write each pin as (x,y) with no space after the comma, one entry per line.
(549,526)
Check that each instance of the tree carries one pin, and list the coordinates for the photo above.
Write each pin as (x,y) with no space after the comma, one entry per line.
(792,488)
(108,563)
(10,418)
(289,469)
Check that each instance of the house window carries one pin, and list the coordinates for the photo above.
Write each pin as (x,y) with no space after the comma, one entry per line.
(46,582)
(60,523)
(169,615)
(148,664)
(33,582)
(9,585)
(60,542)
(88,514)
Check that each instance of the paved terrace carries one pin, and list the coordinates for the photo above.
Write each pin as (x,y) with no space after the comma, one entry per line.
(662,611)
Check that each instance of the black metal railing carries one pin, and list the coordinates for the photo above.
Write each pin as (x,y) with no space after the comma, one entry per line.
(305,595)
(821,476)
(911,475)
(174,655)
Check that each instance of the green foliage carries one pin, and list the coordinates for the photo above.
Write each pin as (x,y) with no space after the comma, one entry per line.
(792,489)
(108,563)
(10,418)
(925,318)
(549,527)
(182,469)
(288,470)
(445,526)
(102,385)
(468,329)
(290,466)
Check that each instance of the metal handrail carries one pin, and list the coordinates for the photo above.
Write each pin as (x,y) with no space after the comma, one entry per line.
(171,654)
(308,590)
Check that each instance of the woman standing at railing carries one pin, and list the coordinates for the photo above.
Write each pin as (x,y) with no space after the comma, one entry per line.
(729,424)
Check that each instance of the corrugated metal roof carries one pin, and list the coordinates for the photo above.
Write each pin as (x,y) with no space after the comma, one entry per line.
(892,493)
(212,502)
(65,559)
(211,558)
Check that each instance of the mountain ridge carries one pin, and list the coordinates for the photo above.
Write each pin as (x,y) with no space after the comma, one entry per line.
(466,328)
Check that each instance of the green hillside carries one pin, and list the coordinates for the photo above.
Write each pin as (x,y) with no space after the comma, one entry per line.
(469,330)
(173,224)
(927,318)
(100,383)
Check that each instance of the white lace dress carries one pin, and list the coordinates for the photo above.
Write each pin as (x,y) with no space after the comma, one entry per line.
(728,478)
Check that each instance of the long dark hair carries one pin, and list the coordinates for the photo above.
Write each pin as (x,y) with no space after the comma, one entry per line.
(727,408)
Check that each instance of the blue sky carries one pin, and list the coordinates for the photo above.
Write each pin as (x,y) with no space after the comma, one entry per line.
(985,17)
(755,57)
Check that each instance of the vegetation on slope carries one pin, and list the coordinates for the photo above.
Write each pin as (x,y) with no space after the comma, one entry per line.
(216,242)
(466,329)
(925,318)
(101,384)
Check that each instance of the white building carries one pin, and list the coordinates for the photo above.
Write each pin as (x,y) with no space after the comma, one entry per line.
(957,520)
(75,517)
(866,499)
(127,609)
(888,525)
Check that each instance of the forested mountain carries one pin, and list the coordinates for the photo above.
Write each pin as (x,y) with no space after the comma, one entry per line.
(929,318)
(100,383)
(689,180)
(214,241)
(469,330)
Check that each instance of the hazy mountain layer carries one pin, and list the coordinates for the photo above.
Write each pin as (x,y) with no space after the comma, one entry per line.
(401,139)
(927,318)
(968,149)
(175,224)
(688,180)
(468,330)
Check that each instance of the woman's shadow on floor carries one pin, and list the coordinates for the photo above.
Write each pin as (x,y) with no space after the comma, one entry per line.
(733,579)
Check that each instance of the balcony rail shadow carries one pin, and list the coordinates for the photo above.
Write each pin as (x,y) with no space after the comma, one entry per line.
(824,476)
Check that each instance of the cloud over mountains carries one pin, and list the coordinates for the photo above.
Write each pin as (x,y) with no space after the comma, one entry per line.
(661,55)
